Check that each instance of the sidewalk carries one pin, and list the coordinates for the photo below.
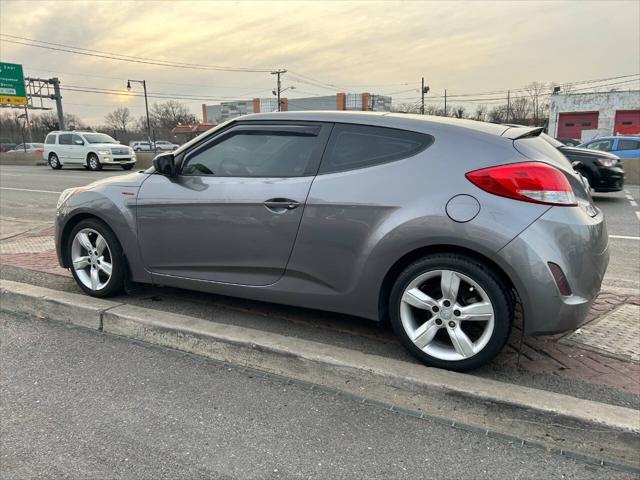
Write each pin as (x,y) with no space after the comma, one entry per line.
(605,351)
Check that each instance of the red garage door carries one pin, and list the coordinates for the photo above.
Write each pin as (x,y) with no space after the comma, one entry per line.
(627,122)
(571,125)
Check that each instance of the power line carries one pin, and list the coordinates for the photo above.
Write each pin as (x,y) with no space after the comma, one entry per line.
(123,58)
(566,84)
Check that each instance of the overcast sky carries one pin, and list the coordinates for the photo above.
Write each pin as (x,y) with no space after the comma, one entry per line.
(380,47)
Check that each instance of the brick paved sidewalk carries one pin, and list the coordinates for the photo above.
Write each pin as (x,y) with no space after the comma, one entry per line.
(562,355)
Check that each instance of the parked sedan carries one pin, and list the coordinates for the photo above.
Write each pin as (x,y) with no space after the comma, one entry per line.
(440,226)
(622,146)
(603,170)
(37,148)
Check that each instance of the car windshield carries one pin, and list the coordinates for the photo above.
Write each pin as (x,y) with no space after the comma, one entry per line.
(552,140)
(98,138)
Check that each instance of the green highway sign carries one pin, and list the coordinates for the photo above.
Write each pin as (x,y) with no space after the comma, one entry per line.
(12,84)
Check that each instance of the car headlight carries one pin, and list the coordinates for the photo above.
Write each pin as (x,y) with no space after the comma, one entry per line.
(607,162)
(64,196)
(103,152)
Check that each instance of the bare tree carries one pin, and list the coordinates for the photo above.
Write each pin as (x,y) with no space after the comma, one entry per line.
(119,119)
(406,108)
(480,113)
(537,92)
(459,111)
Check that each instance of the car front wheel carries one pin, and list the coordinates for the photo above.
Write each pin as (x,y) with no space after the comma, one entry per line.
(96,259)
(93,162)
(451,311)
(54,162)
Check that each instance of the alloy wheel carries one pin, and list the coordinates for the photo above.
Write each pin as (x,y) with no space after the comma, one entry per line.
(91,259)
(447,315)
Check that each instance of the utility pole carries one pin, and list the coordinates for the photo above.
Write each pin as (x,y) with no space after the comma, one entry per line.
(146,106)
(26,117)
(424,90)
(508,104)
(58,98)
(279,86)
(445,102)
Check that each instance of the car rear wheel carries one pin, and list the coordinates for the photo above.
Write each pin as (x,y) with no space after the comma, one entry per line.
(54,161)
(96,258)
(93,162)
(451,311)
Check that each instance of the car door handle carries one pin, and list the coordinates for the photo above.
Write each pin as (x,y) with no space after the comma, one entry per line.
(280,205)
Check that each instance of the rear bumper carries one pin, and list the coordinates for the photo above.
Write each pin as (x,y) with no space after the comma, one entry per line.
(578,243)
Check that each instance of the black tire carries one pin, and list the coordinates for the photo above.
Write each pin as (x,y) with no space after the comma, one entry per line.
(498,293)
(54,161)
(115,284)
(127,167)
(93,162)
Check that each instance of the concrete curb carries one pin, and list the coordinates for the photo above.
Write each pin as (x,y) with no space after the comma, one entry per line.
(553,420)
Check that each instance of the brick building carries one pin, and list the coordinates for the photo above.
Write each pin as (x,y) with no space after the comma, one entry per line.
(584,116)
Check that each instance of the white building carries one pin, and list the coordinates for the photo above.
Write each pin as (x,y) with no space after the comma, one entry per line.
(340,101)
(584,116)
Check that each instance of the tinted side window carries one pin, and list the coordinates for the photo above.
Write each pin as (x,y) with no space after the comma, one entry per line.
(255,153)
(604,145)
(50,139)
(64,139)
(628,144)
(359,146)
(75,139)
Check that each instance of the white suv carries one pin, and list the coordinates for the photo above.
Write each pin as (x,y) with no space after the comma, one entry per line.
(90,149)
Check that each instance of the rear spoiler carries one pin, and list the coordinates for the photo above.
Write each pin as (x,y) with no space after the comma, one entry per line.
(516,133)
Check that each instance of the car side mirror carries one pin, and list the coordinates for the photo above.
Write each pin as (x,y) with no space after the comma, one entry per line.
(165,164)
(78,142)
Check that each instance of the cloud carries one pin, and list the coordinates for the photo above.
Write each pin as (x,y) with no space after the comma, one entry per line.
(461,46)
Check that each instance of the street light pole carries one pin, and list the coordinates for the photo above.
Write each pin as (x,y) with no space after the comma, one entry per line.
(146,105)
(279,87)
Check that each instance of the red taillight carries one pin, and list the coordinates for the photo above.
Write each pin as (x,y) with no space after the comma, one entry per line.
(40,151)
(534,182)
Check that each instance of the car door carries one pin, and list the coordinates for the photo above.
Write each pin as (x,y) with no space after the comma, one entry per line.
(63,147)
(232,212)
(628,148)
(76,149)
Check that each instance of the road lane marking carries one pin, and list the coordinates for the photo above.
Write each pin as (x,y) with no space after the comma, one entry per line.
(624,237)
(633,203)
(29,190)
(638,215)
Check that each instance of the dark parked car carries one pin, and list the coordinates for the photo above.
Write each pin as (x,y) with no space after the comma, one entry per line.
(603,170)
(438,225)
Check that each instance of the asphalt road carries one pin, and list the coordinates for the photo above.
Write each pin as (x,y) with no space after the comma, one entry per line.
(82,405)
(31,193)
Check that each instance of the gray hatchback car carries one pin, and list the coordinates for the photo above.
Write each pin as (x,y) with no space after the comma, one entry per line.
(437,225)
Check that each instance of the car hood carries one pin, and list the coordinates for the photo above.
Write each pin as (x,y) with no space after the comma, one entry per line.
(587,152)
(130,180)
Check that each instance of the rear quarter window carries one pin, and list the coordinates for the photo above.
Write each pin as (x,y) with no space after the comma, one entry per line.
(360,146)
(628,144)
